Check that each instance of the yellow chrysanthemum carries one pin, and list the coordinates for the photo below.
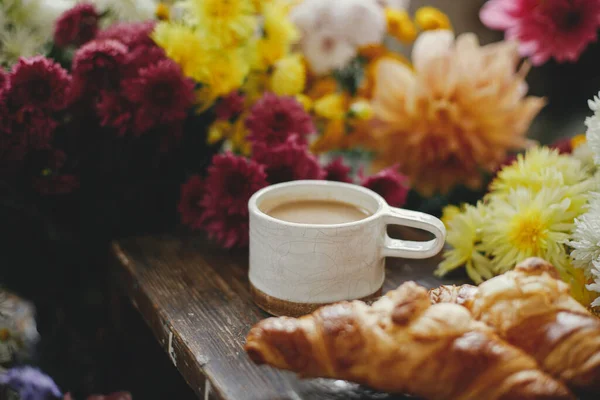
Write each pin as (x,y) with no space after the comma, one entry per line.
(448,213)
(430,18)
(182,45)
(238,139)
(464,235)
(279,34)
(255,86)
(399,25)
(576,278)
(231,22)
(289,76)
(331,106)
(224,71)
(526,224)
(540,167)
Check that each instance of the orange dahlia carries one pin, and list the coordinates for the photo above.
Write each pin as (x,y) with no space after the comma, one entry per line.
(456,114)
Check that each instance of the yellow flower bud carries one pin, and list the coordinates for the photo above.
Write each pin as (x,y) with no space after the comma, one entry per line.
(399,25)
(306,101)
(162,12)
(362,110)
(218,131)
(331,106)
(430,18)
(578,141)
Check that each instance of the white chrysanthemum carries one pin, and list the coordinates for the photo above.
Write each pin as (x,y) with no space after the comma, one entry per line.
(326,51)
(332,31)
(396,4)
(585,155)
(595,287)
(128,10)
(593,128)
(586,236)
(45,12)
(20,41)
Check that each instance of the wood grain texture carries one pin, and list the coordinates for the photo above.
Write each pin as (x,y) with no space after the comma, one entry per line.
(196,299)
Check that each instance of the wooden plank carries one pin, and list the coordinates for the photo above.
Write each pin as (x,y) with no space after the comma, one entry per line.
(195,298)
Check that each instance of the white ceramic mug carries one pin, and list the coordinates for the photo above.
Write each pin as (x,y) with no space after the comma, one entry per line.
(294,268)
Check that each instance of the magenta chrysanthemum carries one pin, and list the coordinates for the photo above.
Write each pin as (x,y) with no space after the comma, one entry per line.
(389,184)
(290,161)
(559,29)
(37,82)
(98,64)
(162,94)
(33,126)
(190,208)
(230,182)
(76,26)
(115,111)
(4,82)
(273,119)
(337,171)
(230,106)
(131,35)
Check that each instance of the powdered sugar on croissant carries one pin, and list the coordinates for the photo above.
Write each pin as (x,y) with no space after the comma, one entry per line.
(403,344)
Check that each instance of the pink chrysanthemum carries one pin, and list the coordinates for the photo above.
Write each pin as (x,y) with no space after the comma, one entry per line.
(37,82)
(115,111)
(337,171)
(559,29)
(273,119)
(230,106)
(190,208)
(98,64)
(389,184)
(162,94)
(76,26)
(230,182)
(290,161)
(131,35)
(31,125)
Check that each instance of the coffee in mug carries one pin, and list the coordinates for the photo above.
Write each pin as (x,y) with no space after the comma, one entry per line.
(318,212)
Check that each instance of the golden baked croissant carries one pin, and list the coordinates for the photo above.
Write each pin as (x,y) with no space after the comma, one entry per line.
(403,344)
(532,309)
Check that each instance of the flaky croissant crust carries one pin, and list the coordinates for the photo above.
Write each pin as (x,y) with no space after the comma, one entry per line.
(403,344)
(532,309)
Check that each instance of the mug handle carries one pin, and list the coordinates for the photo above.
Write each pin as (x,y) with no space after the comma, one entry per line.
(412,249)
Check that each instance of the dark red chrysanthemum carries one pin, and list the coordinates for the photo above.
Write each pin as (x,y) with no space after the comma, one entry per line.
(33,126)
(98,64)
(273,119)
(230,106)
(230,183)
(190,207)
(4,81)
(142,57)
(115,111)
(290,161)
(228,229)
(76,26)
(389,184)
(563,145)
(161,93)
(51,180)
(38,82)
(130,34)
(337,171)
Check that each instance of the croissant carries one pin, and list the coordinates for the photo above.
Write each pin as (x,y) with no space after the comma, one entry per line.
(403,344)
(531,308)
